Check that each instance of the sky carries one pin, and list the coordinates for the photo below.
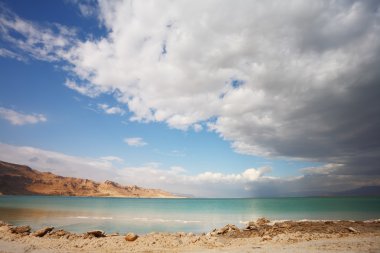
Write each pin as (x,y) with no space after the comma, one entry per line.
(204,98)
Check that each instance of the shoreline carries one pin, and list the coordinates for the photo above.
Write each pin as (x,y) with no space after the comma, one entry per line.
(261,235)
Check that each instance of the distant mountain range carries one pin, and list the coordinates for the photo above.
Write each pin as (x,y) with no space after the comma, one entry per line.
(18,179)
(362,191)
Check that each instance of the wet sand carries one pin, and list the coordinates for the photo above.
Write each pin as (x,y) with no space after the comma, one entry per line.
(259,236)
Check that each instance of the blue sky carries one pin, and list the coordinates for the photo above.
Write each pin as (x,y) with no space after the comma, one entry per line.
(216,109)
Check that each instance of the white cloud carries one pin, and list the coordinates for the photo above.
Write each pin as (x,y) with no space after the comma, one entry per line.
(86,90)
(112,158)
(87,8)
(111,109)
(260,85)
(197,127)
(326,169)
(40,42)
(7,53)
(18,118)
(135,142)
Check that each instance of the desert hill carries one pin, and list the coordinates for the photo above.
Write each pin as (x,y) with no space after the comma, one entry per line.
(18,179)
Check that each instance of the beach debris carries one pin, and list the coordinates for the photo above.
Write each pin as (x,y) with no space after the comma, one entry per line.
(130,237)
(43,231)
(353,230)
(96,233)
(23,230)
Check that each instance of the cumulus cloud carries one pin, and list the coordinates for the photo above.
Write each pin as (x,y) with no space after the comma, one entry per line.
(19,118)
(303,85)
(111,109)
(135,142)
(285,79)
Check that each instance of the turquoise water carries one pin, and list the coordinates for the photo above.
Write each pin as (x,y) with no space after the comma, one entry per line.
(79,214)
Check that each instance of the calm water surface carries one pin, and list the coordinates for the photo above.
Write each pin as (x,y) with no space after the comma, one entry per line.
(79,214)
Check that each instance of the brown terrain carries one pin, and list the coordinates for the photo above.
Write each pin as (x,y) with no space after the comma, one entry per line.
(22,180)
(257,236)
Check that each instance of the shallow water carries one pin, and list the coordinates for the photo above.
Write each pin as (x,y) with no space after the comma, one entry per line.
(79,214)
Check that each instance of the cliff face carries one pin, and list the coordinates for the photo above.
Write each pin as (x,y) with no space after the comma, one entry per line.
(22,180)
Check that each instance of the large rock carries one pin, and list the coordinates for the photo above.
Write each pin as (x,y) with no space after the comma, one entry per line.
(62,234)
(96,233)
(43,231)
(130,237)
(23,230)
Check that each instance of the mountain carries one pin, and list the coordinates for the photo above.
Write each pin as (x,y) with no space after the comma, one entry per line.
(362,191)
(18,179)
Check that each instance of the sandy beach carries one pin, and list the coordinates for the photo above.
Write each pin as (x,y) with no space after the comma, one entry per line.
(259,236)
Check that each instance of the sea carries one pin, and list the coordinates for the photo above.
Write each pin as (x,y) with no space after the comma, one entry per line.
(81,214)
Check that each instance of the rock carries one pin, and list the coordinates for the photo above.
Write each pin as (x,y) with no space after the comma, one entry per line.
(59,233)
(42,231)
(250,226)
(353,230)
(223,230)
(227,228)
(24,230)
(96,233)
(130,237)
(262,221)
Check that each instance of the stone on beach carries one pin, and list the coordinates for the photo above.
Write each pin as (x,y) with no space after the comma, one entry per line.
(96,233)
(130,237)
(353,230)
(43,231)
(262,221)
(227,228)
(23,230)
(254,225)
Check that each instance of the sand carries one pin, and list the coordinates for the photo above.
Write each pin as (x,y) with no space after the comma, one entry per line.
(259,236)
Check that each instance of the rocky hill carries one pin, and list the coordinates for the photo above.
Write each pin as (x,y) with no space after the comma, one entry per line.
(18,179)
